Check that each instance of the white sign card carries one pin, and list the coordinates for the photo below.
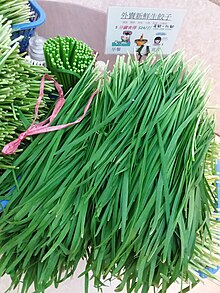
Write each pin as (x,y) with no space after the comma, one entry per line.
(143,30)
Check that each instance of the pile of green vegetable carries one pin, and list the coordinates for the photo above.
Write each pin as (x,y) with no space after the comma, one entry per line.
(68,59)
(19,90)
(125,188)
(18,11)
(201,256)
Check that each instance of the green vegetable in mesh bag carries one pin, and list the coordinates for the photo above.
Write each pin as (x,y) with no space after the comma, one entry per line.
(125,188)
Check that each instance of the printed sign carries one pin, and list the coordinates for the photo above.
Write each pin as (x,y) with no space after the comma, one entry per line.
(143,30)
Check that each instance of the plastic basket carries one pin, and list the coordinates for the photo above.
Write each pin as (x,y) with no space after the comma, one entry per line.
(27,29)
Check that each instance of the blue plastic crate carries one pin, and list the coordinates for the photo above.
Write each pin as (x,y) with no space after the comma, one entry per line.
(27,29)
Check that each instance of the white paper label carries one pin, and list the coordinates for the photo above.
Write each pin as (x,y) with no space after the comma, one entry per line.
(143,30)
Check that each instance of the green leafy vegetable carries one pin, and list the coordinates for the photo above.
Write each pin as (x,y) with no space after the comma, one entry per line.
(17,11)
(125,188)
(67,59)
(19,89)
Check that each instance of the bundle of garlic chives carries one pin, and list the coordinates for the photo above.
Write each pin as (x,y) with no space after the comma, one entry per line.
(16,11)
(67,59)
(19,89)
(125,188)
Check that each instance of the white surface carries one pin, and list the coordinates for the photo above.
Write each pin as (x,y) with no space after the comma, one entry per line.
(76,285)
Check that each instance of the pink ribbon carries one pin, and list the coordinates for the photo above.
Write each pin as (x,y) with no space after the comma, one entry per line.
(44,126)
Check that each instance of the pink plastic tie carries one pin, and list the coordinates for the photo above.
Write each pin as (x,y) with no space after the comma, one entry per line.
(44,126)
